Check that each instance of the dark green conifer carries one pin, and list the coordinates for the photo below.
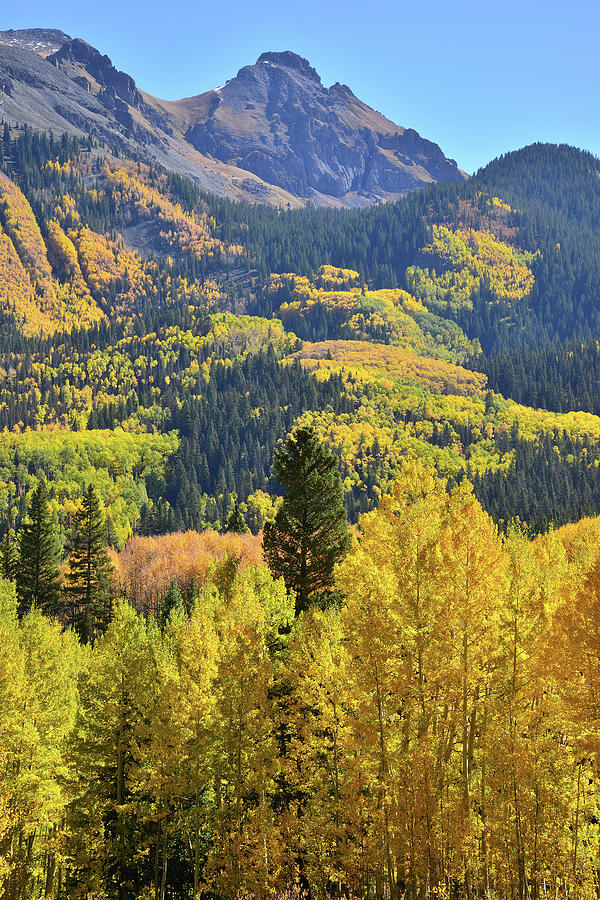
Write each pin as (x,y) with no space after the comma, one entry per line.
(8,557)
(38,574)
(310,532)
(236,521)
(88,578)
(172,600)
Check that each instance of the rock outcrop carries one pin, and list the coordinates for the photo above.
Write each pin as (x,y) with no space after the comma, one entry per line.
(272,134)
(276,119)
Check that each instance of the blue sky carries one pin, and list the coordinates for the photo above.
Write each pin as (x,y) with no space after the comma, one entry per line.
(477,78)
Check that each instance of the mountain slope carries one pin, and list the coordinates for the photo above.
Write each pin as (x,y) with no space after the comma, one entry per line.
(273,133)
(87,96)
(371,355)
(276,119)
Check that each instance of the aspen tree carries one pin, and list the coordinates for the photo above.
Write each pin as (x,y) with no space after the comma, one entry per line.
(247,852)
(114,703)
(17,739)
(473,583)
(515,774)
(320,764)
(194,644)
(393,623)
(38,693)
(573,662)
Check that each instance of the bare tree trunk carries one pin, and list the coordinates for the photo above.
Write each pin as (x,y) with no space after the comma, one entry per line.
(163,883)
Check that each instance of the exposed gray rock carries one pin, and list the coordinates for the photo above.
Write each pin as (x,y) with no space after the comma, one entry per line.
(37,92)
(116,90)
(271,134)
(276,119)
(40,40)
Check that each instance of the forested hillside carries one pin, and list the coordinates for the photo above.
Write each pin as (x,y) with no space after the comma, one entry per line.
(134,302)
(298,537)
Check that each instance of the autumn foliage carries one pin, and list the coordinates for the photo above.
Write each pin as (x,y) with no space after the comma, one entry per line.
(148,565)
(436,732)
(439,377)
(181,231)
(459,263)
(338,302)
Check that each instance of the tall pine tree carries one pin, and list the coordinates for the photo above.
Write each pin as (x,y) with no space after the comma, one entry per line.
(38,574)
(88,576)
(310,532)
(8,557)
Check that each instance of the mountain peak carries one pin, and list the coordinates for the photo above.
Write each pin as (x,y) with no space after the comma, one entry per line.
(43,41)
(290,60)
(277,120)
(272,132)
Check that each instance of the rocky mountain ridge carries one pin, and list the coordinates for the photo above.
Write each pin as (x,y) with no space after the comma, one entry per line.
(272,133)
(277,120)
(40,40)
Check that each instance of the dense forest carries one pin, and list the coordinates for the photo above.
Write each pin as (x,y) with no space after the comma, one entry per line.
(298,557)
(185,329)
(560,377)
(437,732)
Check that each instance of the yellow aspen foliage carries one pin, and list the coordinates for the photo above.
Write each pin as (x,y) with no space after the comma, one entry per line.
(17,294)
(38,691)
(21,226)
(186,232)
(117,690)
(327,828)
(474,575)
(389,316)
(80,307)
(157,772)
(15,693)
(465,260)
(576,630)
(437,731)
(247,857)
(439,377)
(393,622)
(472,772)
(193,642)
(529,831)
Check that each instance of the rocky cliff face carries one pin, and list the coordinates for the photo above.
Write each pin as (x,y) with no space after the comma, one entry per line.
(273,133)
(116,90)
(276,119)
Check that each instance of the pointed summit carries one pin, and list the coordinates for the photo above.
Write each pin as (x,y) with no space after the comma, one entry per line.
(291,61)
(273,133)
(277,120)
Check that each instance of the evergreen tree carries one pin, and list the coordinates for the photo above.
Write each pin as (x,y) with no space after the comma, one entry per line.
(8,557)
(38,575)
(172,600)
(236,521)
(88,576)
(310,532)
